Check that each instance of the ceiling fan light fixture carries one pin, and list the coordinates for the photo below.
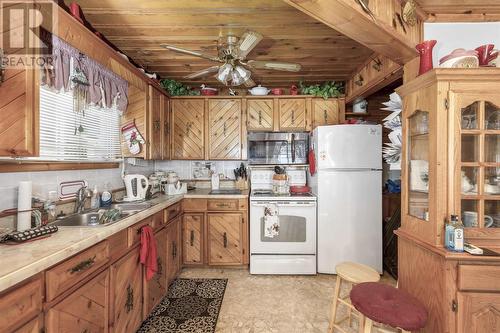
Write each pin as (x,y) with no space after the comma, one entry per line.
(224,74)
(236,78)
(243,72)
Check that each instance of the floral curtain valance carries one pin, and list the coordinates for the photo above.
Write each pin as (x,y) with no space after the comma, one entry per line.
(94,83)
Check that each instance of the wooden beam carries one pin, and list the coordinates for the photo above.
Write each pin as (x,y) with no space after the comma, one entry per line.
(382,35)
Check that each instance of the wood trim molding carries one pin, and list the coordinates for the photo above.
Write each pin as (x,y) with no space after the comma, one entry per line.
(17,166)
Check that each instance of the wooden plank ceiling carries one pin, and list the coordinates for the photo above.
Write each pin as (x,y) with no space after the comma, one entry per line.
(139,27)
(460,6)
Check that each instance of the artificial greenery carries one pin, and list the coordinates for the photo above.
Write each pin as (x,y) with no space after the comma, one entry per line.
(175,88)
(325,90)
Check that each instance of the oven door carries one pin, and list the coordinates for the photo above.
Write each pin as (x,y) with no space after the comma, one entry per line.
(297,228)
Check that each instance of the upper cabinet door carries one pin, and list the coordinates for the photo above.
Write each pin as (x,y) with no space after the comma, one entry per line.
(292,114)
(165,116)
(188,129)
(260,114)
(224,129)
(325,112)
(155,125)
(19,131)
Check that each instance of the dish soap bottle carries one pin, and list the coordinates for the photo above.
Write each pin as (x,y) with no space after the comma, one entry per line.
(95,200)
(458,237)
(106,197)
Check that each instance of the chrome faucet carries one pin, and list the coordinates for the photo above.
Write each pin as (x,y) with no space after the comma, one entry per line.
(81,196)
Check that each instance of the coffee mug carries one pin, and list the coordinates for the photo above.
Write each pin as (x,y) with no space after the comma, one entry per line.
(470,220)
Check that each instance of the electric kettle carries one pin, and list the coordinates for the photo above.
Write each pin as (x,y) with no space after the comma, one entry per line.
(136,187)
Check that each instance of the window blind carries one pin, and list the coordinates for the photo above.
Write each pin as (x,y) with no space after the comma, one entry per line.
(98,142)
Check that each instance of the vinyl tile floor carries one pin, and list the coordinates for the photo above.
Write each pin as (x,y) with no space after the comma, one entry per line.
(276,303)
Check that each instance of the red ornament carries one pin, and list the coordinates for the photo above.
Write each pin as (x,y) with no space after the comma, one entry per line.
(425,51)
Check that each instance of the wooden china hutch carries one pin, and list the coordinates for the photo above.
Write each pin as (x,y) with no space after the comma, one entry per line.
(451,165)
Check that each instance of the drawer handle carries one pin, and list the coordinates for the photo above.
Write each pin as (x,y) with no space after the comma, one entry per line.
(224,129)
(166,127)
(129,304)
(224,238)
(192,238)
(84,265)
(293,117)
(223,205)
(325,116)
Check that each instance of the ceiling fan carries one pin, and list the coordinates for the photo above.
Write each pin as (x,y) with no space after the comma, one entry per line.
(235,69)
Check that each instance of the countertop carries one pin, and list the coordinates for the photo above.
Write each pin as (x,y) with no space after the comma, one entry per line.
(22,261)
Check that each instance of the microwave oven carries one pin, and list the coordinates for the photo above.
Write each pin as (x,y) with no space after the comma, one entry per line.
(278,148)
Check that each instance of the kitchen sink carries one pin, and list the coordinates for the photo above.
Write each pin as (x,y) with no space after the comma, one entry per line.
(131,207)
(89,219)
(229,191)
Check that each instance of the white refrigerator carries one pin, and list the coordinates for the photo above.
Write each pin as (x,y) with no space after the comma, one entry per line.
(348,186)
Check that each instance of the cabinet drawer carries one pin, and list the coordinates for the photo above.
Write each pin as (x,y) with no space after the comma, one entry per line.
(173,211)
(34,326)
(479,277)
(194,205)
(21,304)
(223,204)
(75,269)
(134,232)
(157,220)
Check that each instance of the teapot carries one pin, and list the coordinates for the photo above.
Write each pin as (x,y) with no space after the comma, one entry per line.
(259,91)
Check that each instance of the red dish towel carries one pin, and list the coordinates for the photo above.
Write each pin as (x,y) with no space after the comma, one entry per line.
(148,252)
(312,162)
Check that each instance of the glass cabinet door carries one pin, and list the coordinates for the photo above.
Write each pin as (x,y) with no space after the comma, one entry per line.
(477,169)
(418,165)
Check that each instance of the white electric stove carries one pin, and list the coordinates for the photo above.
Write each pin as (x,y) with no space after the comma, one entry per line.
(292,250)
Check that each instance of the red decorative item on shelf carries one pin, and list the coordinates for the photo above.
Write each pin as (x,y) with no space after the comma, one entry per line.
(76,11)
(425,51)
(277,91)
(486,54)
(294,90)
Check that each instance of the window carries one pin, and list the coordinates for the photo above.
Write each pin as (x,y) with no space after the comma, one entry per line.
(67,136)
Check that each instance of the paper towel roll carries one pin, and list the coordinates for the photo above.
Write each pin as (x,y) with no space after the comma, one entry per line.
(24,196)
(24,204)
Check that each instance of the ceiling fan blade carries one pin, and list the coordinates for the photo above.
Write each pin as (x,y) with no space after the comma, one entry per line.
(189,52)
(247,42)
(276,65)
(249,83)
(203,72)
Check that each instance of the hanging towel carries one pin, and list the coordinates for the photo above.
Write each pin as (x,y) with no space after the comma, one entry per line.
(148,252)
(271,221)
(312,162)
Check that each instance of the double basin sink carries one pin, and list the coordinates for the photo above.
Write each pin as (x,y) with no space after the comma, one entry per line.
(102,217)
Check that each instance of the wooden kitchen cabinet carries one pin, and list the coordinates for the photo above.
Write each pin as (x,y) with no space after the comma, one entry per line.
(451,140)
(126,293)
(165,121)
(19,123)
(174,249)
(33,326)
(156,288)
(225,129)
(192,238)
(84,310)
(188,129)
(478,312)
(155,126)
(260,115)
(292,114)
(327,111)
(224,238)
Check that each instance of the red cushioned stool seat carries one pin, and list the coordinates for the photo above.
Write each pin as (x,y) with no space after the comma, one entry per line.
(388,305)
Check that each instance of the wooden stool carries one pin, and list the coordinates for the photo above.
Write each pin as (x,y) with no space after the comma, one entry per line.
(352,273)
(384,304)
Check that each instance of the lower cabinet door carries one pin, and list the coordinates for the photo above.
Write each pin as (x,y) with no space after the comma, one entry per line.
(85,310)
(156,288)
(478,312)
(192,234)
(126,293)
(173,249)
(224,239)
